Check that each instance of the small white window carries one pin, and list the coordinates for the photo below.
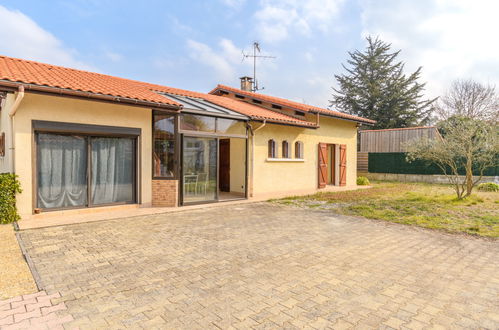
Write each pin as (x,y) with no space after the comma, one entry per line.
(285,149)
(272,146)
(299,150)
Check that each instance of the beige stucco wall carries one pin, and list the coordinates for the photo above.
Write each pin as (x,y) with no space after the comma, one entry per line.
(60,109)
(5,127)
(288,177)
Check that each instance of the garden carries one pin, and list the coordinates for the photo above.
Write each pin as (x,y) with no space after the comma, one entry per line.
(432,206)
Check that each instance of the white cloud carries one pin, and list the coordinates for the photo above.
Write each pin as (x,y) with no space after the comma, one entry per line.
(277,19)
(308,56)
(222,61)
(22,37)
(230,51)
(450,38)
(233,3)
(113,56)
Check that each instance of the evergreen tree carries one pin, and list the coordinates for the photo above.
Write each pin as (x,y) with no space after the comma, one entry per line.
(376,87)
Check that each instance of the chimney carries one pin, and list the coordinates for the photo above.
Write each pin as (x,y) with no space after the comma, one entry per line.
(246,84)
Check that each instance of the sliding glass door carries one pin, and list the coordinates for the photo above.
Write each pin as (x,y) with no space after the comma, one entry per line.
(199,169)
(113,172)
(62,171)
(81,171)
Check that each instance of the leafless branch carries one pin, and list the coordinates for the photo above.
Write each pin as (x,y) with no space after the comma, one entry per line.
(471,99)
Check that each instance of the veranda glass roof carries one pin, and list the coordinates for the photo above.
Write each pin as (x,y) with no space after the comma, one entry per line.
(200,106)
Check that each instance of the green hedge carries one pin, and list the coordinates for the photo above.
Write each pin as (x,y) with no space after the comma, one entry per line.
(395,162)
(9,186)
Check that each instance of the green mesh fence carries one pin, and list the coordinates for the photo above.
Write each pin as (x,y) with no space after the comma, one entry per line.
(394,162)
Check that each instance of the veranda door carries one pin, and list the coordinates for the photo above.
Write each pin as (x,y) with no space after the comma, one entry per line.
(199,169)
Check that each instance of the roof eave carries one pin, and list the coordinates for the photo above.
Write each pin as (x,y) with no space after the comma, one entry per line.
(214,90)
(57,91)
(219,88)
(256,97)
(285,123)
(369,123)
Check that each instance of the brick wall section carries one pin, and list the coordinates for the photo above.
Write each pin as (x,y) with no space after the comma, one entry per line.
(165,193)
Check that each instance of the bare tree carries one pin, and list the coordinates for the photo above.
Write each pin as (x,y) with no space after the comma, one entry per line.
(471,99)
(468,146)
(469,143)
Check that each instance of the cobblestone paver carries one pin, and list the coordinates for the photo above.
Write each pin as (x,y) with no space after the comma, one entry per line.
(33,311)
(266,266)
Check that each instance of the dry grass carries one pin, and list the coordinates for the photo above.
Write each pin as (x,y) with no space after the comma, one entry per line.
(425,205)
(15,276)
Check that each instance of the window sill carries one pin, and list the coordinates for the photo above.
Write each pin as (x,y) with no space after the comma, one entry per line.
(285,160)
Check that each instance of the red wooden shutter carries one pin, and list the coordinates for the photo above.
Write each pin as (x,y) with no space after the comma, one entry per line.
(322,165)
(2,144)
(343,164)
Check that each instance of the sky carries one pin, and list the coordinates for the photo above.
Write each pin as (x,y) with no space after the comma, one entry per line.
(196,45)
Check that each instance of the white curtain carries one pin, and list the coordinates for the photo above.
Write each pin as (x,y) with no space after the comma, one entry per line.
(112,170)
(62,171)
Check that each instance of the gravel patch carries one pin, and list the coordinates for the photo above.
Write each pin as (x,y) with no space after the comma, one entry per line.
(15,276)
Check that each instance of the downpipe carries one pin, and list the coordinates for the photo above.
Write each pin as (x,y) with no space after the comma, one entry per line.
(12,112)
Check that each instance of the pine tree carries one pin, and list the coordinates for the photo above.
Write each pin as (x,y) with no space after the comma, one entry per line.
(376,87)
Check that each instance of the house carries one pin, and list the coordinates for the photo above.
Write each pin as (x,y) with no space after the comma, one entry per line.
(79,139)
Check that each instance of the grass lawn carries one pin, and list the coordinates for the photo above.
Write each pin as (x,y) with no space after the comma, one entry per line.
(426,205)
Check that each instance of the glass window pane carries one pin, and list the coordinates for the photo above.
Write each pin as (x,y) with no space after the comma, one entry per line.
(113,170)
(62,171)
(164,126)
(197,123)
(199,177)
(164,158)
(164,145)
(230,126)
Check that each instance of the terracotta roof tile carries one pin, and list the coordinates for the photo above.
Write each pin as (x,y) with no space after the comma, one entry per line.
(50,76)
(252,111)
(40,74)
(291,104)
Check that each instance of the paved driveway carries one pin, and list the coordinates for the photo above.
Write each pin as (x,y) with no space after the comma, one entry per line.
(266,266)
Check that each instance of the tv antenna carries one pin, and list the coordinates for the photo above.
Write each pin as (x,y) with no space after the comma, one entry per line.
(256,48)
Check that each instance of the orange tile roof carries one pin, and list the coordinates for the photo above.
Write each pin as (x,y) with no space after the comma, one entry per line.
(291,104)
(46,75)
(60,80)
(252,111)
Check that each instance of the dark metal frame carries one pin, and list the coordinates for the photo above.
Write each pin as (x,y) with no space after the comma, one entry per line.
(179,150)
(61,127)
(181,179)
(177,147)
(88,132)
(217,192)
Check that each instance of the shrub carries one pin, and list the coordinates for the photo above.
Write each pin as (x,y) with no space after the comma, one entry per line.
(488,186)
(363,181)
(9,186)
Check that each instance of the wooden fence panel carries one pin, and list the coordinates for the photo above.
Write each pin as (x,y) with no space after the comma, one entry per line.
(362,161)
(393,140)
